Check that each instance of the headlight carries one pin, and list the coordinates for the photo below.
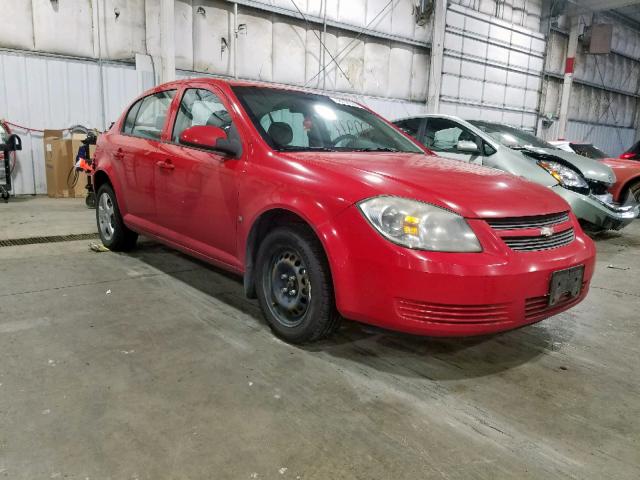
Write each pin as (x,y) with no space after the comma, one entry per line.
(419,225)
(564,175)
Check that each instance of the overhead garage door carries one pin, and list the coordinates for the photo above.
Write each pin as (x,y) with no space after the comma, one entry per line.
(491,69)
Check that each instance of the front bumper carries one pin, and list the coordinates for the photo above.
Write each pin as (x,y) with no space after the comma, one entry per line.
(446,294)
(605,215)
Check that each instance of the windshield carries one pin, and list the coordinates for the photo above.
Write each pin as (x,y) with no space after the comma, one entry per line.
(509,136)
(588,150)
(299,121)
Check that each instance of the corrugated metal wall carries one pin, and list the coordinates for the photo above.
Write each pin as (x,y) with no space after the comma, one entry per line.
(371,40)
(47,92)
(604,102)
(491,69)
(525,13)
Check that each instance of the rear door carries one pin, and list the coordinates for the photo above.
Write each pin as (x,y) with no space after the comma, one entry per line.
(137,150)
(196,189)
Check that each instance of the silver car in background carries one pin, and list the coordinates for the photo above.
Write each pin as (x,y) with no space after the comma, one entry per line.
(581,181)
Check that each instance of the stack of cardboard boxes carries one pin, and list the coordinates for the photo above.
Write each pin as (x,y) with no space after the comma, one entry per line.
(59,157)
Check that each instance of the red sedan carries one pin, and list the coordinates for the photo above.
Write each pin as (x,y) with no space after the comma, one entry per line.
(328,211)
(627,171)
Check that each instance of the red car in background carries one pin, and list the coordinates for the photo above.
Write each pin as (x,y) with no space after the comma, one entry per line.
(627,171)
(327,210)
(633,153)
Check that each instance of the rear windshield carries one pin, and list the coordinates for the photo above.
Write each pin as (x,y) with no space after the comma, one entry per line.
(588,150)
(300,121)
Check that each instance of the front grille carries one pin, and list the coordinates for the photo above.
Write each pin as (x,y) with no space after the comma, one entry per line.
(598,188)
(537,308)
(539,242)
(452,314)
(537,221)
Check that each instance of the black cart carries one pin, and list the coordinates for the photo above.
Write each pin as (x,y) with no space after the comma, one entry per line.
(12,143)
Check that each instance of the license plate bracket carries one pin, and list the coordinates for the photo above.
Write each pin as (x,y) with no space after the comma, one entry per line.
(565,284)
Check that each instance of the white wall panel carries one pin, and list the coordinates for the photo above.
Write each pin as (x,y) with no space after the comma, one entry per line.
(54,93)
(122,28)
(499,66)
(209,30)
(63,27)
(376,68)
(289,52)
(184,24)
(17,26)
(519,12)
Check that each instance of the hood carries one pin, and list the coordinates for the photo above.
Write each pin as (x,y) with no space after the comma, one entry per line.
(621,163)
(591,169)
(471,190)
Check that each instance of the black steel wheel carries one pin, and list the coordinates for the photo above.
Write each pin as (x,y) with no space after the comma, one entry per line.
(113,232)
(289,287)
(294,285)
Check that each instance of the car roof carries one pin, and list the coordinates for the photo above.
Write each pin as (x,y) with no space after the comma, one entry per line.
(240,83)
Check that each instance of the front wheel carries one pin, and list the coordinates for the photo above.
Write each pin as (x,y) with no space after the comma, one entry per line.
(113,232)
(635,191)
(294,285)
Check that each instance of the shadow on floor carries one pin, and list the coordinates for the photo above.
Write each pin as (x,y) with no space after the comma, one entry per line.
(395,353)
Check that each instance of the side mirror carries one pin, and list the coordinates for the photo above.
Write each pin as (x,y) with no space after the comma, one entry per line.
(211,138)
(467,146)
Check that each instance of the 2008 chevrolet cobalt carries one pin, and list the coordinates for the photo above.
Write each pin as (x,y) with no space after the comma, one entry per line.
(329,211)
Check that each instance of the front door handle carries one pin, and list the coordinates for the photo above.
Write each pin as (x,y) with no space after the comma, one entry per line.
(166,164)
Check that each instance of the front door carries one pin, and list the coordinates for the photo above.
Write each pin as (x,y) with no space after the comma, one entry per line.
(450,139)
(196,189)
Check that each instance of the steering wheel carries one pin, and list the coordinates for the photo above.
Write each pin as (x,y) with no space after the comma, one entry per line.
(346,136)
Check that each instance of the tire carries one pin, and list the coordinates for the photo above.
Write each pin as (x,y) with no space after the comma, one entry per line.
(591,228)
(112,230)
(635,190)
(294,285)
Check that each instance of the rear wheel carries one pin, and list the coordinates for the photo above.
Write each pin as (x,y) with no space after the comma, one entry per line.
(112,230)
(294,285)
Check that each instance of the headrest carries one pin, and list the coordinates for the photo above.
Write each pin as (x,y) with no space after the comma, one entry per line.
(281,133)
(159,122)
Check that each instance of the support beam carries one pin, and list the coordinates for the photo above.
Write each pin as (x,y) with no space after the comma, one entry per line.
(572,48)
(437,56)
(167,41)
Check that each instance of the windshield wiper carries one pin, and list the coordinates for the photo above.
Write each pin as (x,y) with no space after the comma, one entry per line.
(289,148)
(376,149)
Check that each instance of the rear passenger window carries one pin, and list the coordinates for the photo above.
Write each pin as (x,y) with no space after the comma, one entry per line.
(131,117)
(147,117)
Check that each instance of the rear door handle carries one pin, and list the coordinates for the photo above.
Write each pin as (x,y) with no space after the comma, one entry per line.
(166,164)
(119,154)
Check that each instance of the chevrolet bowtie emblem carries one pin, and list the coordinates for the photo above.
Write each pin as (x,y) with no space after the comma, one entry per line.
(546,231)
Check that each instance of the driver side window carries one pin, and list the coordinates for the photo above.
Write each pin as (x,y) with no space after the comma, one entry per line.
(200,107)
(443,135)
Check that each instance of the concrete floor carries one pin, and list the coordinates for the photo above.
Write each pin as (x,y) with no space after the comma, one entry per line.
(151,365)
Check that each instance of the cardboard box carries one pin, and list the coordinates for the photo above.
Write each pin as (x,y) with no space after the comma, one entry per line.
(60,157)
(58,163)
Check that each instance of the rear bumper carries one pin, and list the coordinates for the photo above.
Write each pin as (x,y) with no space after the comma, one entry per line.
(447,294)
(604,215)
